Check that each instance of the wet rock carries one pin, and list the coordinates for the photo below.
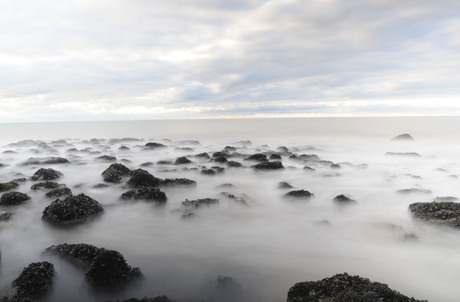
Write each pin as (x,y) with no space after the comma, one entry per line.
(220,159)
(220,154)
(34,281)
(198,203)
(147,164)
(342,200)
(225,185)
(6,186)
(46,186)
(336,166)
(414,190)
(46,174)
(203,155)
(164,162)
(141,178)
(403,137)
(345,288)
(269,165)
(284,185)
(226,282)
(240,200)
(115,172)
(73,209)
(109,270)
(307,168)
(234,164)
(210,172)
(100,186)
(440,213)
(46,161)
(257,157)
(218,169)
(445,198)
(79,254)
(13,198)
(182,161)
(5,216)
(148,193)
(309,157)
(275,156)
(154,146)
(404,154)
(58,192)
(299,194)
(106,158)
(177,182)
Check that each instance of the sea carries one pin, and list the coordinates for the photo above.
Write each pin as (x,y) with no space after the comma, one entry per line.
(263,245)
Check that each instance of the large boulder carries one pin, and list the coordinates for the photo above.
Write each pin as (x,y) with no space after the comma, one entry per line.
(345,288)
(34,281)
(13,198)
(149,194)
(141,178)
(440,213)
(73,209)
(115,172)
(46,174)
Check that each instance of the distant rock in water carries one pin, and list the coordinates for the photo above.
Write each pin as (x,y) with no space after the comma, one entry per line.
(147,299)
(414,190)
(445,199)
(284,185)
(269,165)
(408,154)
(5,217)
(13,198)
(154,146)
(59,192)
(73,209)
(148,194)
(345,288)
(440,213)
(115,172)
(257,157)
(46,161)
(298,194)
(6,186)
(46,186)
(177,182)
(106,158)
(46,174)
(342,200)
(198,203)
(34,281)
(403,137)
(182,161)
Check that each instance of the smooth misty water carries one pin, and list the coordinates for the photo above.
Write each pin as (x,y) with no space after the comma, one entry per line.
(268,246)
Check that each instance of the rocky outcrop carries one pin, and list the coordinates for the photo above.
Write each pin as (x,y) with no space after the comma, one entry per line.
(46,174)
(177,182)
(13,198)
(149,194)
(141,178)
(345,288)
(46,186)
(60,191)
(257,157)
(440,213)
(299,194)
(34,281)
(73,209)
(115,172)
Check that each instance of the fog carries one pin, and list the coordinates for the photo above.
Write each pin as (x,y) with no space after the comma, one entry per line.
(267,245)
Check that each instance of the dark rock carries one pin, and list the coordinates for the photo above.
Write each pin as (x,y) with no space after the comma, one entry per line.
(220,154)
(445,198)
(225,282)
(342,199)
(73,209)
(5,216)
(34,281)
(403,137)
(148,193)
(218,169)
(79,254)
(100,186)
(440,213)
(13,198)
(124,148)
(146,299)
(59,192)
(234,198)
(177,182)
(284,185)
(208,172)
(141,178)
(109,270)
(269,165)
(182,161)
(307,168)
(164,162)
(414,190)
(106,158)
(408,154)
(257,157)
(275,156)
(410,237)
(46,186)
(344,288)
(203,155)
(198,203)
(46,174)
(234,164)
(46,161)
(115,172)
(220,159)
(147,164)
(299,194)
(154,146)
(225,185)
(336,166)
(6,186)
(246,143)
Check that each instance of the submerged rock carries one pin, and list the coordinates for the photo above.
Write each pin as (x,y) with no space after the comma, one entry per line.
(46,161)
(403,137)
(6,186)
(13,198)
(5,217)
(440,213)
(146,299)
(73,209)
(148,193)
(198,203)
(46,174)
(226,282)
(269,165)
(153,146)
(414,190)
(106,158)
(79,254)
(284,185)
(46,186)
(342,200)
(177,182)
(182,161)
(299,194)
(34,281)
(345,288)
(61,191)
(409,154)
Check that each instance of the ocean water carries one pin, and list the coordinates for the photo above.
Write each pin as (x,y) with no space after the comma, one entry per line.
(266,246)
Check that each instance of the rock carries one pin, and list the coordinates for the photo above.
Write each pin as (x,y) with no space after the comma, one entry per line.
(269,165)
(275,156)
(13,198)
(203,155)
(403,137)
(284,185)
(445,198)
(46,174)
(154,146)
(5,216)
(148,193)
(58,192)
(234,198)
(198,203)
(226,186)
(124,148)
(164,162)
(208,172)
(146,299)
(182,161)
(115,172)
(177,182)
(342,200)
(110,270)
(414,190)
(220,159)
(141,178)
(46,186)
(46,161)
(309,157)
(79,254)
(6,186)
(34,281)
(225,282)
(73,209)
(299,194)
(234,164)
(344,288)
(408,154)
(307,168)
(336,166)
(257,157)
(106,158)
(147,164)
(440,213)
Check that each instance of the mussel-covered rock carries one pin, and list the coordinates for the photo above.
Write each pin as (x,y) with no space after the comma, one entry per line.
(46,174)
(73,209)
(269,165)
(34,281)
(6,186)
(440,213)
(147,193)
(46,161)
(13,198)
(298,194)
(106,158)
(198,203)
(177,182)
(115,172)
(60,191)
(141,178)
(46,186)
(345,288)
(80,254)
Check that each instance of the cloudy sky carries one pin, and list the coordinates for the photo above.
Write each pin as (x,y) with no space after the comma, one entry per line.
(156,59)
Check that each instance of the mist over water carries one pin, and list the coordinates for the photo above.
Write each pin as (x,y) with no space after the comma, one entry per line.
(266,246)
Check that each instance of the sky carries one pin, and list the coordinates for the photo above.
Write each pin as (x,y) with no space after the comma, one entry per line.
(153,59)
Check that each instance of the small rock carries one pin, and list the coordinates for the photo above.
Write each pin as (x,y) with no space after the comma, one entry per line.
(342,199)
(6,186)
(106,158)
(46,174)
(13,198)
(58,192)
(284,185)
(299,194)
(257,157)
(182,161)
(141,178)
(148,193)
(269,165)
(403,137)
